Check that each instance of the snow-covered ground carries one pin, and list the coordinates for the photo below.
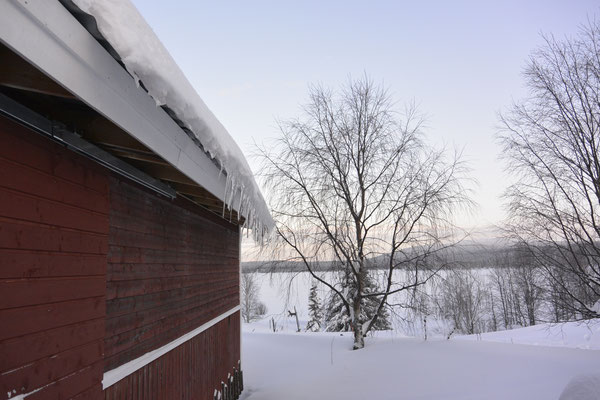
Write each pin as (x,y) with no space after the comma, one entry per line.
(322,365)
(578,335)
(285,291)
(527,363)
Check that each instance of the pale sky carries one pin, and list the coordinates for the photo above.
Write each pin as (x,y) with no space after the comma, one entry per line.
(461,62)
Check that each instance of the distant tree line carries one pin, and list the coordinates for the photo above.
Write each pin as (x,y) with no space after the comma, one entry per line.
(516,293)
(551,143)
(356,184)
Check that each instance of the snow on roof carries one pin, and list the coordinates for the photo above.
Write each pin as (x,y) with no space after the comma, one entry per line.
(148,61)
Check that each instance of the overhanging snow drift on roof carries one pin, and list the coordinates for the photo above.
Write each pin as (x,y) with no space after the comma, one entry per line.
(50,38)
(148,60)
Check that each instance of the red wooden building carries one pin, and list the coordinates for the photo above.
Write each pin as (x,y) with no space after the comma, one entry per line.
(119,252)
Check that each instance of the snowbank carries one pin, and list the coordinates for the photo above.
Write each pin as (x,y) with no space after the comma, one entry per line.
(148,61)
(579,335)
(323,366)
(582,387)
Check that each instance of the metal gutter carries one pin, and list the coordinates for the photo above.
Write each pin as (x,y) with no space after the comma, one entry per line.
(40,124)
(50,38)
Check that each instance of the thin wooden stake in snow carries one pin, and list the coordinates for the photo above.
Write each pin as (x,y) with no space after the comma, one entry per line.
(295,314)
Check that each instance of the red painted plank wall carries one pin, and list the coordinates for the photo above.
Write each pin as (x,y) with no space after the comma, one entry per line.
(53,245)
(193,370)
(171,268)
(96,271)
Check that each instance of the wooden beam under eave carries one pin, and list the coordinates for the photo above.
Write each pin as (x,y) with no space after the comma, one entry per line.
(165,173)
(103,132)
(196,191)
(210,207)
(17,73)
(132,155)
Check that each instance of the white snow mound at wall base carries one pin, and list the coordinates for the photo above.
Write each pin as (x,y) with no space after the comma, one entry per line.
(148,61)
(582,387)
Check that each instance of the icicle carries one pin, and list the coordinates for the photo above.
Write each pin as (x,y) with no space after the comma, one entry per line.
(151,66)
(240,202)
(225,195)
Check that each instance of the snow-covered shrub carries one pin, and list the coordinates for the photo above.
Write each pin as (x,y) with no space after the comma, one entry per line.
(462,301)
(252,308)
(337,318)
(314,310)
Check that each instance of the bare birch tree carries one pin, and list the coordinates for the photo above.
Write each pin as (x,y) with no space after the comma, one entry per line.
(462,299)
(251,306)
(351,180)
(552,143)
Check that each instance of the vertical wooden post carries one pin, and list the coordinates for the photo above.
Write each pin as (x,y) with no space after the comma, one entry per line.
(295,314)
(241,376)
(236,386)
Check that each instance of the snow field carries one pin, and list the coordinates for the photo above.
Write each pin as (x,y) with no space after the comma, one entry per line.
(273,291)
(536,362)
(323,366)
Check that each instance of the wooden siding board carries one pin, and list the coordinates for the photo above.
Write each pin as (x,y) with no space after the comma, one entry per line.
(123,323)
(137,304)
(129,345)
(190,241)
(126,272)
(26,292)
(140,287)
(25,179)
(53,246)
(24,147)
(71,385)
(171,268)
(27,349)
(161,330)
(17,263)
(53,368)
(32,319)
(192,370)
(27,207)
(92,393)
(16,234)
(129,255)
(131,193)
(132,220)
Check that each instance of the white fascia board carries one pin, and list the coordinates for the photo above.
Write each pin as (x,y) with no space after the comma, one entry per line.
(50,38)
(115,375)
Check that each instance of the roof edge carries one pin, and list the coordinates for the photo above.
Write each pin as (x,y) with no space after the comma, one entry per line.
(48,36)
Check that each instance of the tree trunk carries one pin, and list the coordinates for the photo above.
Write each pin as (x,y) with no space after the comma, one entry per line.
(359,339)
